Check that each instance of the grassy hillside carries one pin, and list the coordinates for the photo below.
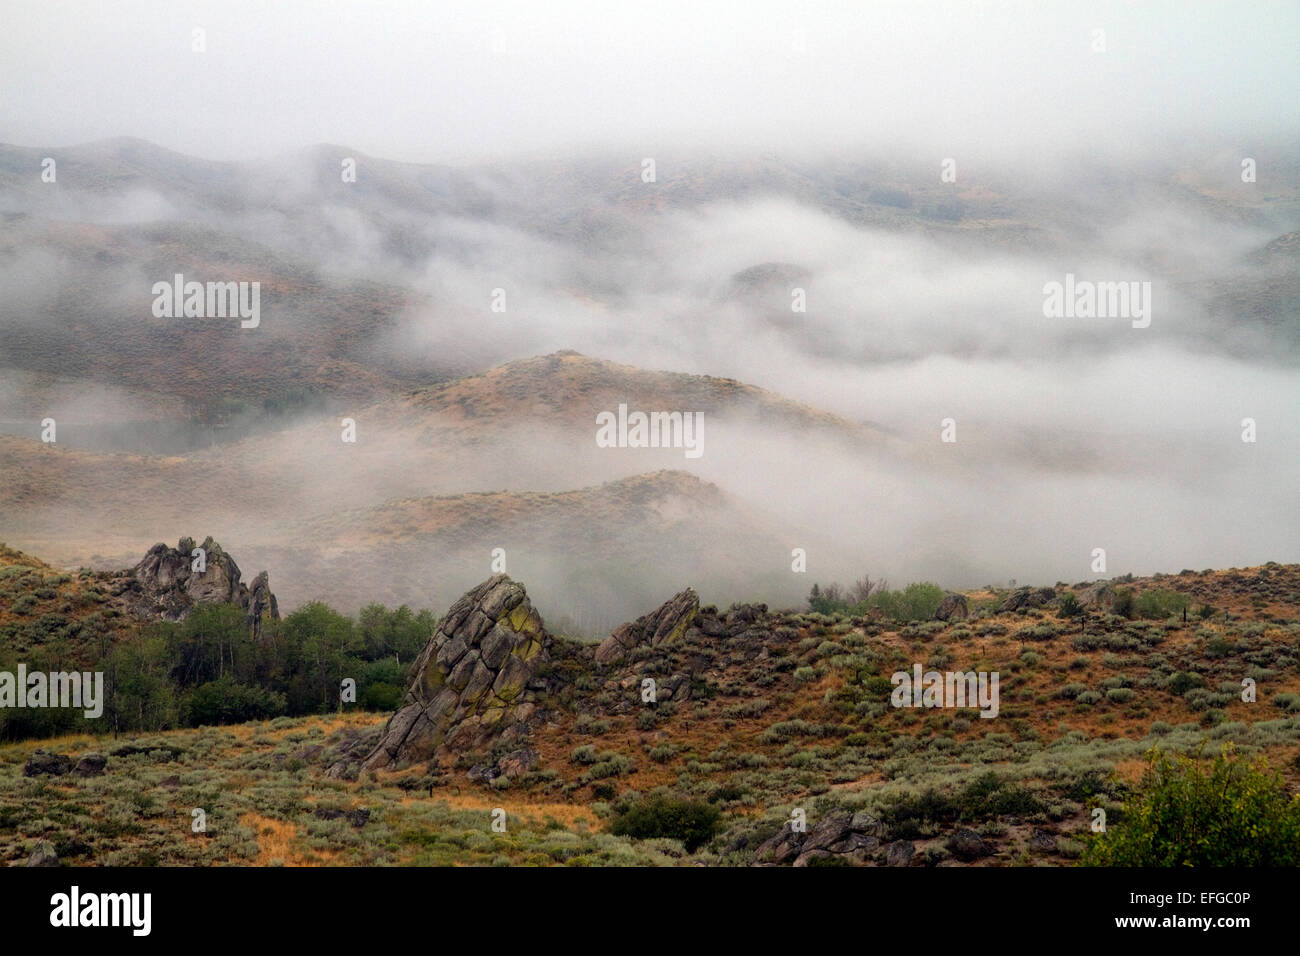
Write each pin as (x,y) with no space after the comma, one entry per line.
(786,711)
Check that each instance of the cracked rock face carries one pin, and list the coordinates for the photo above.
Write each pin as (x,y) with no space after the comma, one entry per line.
(952,608)
(1101,595)
(169,587)
(1028,598)
(475,682)
(842,833)
(664,625)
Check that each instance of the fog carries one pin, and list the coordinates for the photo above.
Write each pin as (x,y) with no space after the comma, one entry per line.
(456,82)
(797,236)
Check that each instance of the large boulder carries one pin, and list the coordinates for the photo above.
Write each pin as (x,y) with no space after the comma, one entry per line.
(44,763)
(967,845)
(851,837)
(1025,598)
(952,608)
(1100,595)
(91,765)
(44,854)
(169,586)
(900,853)
(664,625)
(475,682)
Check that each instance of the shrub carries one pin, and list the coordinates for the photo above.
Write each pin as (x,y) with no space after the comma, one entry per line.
(381,696)
(921,600)
(662,753)
(749,708)
(1217,646)
(1123,605)
(1182,682)
(594,726)
(1069,606)
(609,765)
(1288,702)
(1233,813)
(916,602)
(692,822)
(1159,604)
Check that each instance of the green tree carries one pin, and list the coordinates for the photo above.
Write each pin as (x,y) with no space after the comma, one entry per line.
(327,648)
(691,821)
(1233,813)
(140,694)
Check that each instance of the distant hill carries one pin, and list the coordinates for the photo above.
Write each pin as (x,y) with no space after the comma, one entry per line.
(601,551)
(435,480)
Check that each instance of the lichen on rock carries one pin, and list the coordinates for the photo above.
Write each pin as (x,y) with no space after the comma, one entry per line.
(474,683)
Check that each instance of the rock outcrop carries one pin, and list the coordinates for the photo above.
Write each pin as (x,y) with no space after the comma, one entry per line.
(664,625)
(44,854)
(170,587)
(967,845)
(476,682)
(42,762)
(91,765)
(854,837)
(1101,596)
(1027,598)
(510,766)
(952,608)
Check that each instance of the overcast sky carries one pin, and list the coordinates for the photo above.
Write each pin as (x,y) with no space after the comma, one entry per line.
(432,82)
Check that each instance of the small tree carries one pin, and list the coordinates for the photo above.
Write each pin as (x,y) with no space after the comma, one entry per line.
(1234,813)
(863,588)
(659,815)
(1069,606)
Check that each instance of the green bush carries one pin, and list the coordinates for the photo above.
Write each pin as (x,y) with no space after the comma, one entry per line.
(1288,702)
(916,602)
(1233,813)
(223,701)
(920,600)
(1183,681)
(692,822)
(985,798)
(1123,605)
(1159,605)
